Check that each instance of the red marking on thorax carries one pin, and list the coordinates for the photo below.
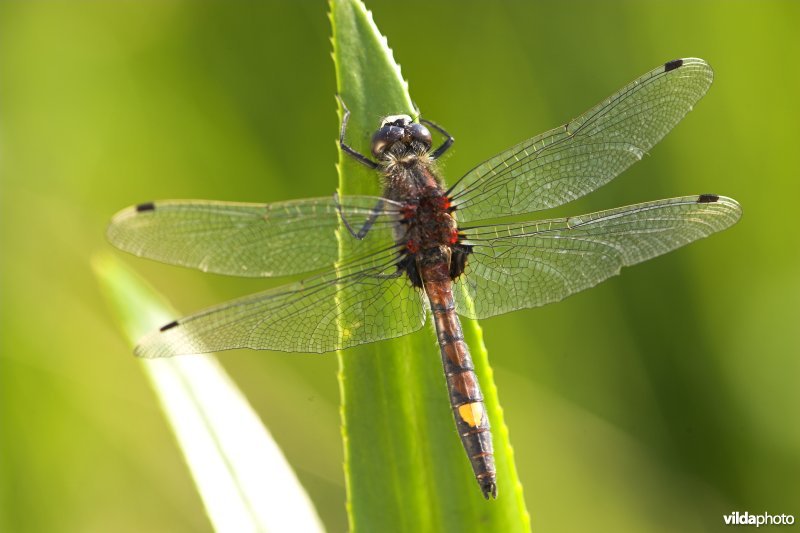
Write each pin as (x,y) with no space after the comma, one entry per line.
(429,223)
(453,236)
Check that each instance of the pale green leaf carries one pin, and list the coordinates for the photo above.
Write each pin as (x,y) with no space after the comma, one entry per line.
(241,474)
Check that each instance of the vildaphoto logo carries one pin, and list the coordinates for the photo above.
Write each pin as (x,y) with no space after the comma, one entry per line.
(746,519)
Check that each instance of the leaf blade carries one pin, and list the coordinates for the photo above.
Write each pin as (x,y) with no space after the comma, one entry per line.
(405,467)
(240,473)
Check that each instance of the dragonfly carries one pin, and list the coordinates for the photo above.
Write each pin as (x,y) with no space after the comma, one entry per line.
(423,248)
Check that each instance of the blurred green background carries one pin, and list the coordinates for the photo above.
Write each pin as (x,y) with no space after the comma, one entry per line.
(658,401)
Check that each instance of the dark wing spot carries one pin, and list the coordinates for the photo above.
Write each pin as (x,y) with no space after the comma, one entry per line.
(148,206)
(707,198)
(672,65)
(171,325)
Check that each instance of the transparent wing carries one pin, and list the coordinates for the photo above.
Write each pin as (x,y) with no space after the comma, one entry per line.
(364,301)
(251,240)
(570,161)
(529,264)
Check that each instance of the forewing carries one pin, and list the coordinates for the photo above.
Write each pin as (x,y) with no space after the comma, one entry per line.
(361,302)
(574,159)
(529,264)
(247,239)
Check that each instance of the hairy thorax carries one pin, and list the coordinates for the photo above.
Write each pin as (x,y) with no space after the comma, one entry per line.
(427,231)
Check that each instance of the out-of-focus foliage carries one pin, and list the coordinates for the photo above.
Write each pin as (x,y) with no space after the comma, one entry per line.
(660,400)
(238,470)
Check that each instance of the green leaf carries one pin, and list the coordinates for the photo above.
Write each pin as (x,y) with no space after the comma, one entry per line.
(404,464)
(241,475)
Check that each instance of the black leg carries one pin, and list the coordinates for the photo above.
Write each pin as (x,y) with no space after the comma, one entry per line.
(439,152)
(373,216)
(364,160)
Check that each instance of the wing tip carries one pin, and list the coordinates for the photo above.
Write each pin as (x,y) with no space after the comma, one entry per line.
(708,198)
(731,206)
(689,64)
(152,346)
(132,211)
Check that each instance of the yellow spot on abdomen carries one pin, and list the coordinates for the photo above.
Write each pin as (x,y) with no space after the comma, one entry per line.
(472,413)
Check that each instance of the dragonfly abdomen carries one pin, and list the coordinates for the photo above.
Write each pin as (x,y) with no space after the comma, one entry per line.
(464,390)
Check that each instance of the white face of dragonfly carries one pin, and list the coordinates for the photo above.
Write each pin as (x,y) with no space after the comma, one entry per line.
(396,120)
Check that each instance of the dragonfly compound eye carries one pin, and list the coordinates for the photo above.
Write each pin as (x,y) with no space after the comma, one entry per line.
(385,138)
(420,134)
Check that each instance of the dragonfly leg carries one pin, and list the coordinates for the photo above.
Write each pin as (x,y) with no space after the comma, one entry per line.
(439,152)
(364,160)
(373,216)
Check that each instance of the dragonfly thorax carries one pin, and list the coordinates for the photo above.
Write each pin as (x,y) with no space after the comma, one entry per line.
(431,236)
(429,223)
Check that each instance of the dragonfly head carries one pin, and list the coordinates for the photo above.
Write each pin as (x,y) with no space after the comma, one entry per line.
(400,134)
